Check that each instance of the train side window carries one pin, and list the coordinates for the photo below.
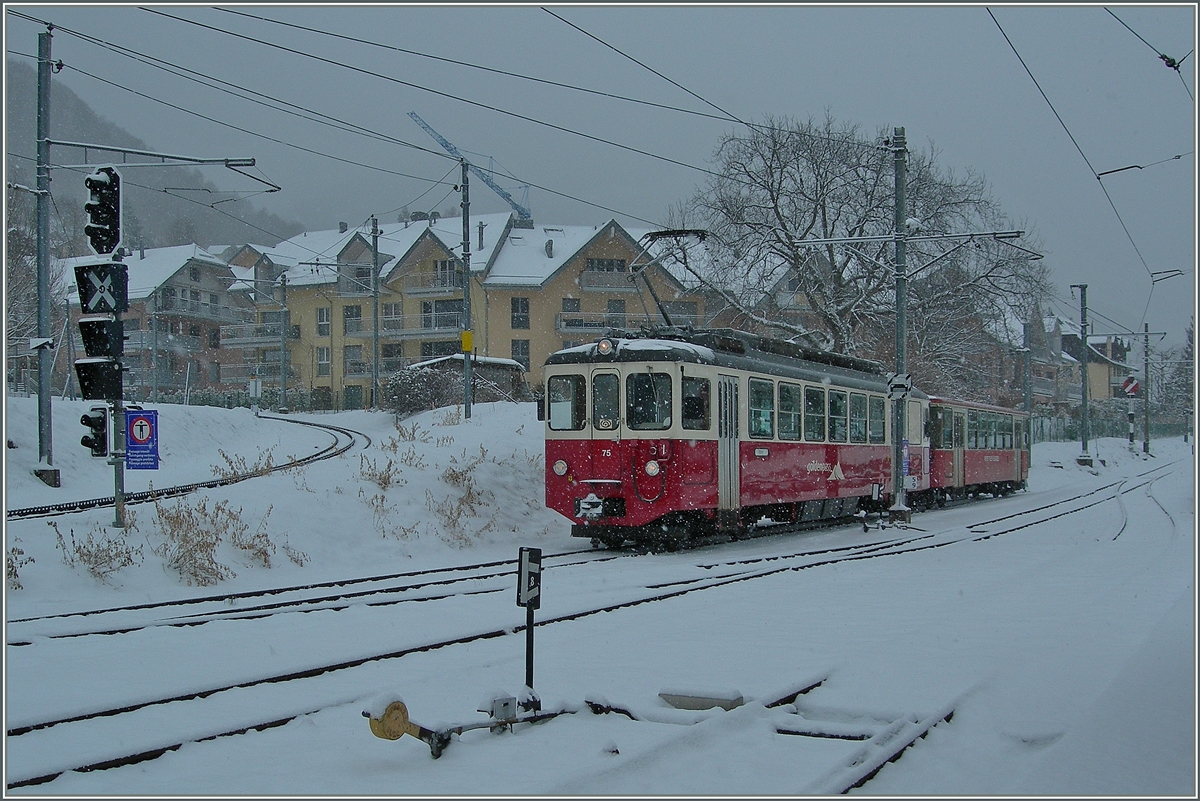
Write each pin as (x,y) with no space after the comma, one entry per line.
(1007,423)
(991,431)
(565,399)
(606,401)
(858,417)
(878,419)
(915,420)
(814,414)
(972,429)
(789,411)
(696,415)
(762,409)
(837,416)
(648,401)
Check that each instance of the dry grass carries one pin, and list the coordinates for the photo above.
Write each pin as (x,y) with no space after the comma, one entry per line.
(14,560)
(236,466)
(101,551)
(191,535)
(413,433)
(452,416)
(383,477)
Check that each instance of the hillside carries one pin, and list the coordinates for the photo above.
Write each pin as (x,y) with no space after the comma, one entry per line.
(153,218)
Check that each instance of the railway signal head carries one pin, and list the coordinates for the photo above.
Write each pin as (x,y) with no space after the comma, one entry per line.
(97,422)
(103,208)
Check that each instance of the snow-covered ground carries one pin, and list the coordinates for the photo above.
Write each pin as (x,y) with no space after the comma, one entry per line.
(1066,649)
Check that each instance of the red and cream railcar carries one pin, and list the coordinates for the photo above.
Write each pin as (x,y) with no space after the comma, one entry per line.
(678,435)
(976,448)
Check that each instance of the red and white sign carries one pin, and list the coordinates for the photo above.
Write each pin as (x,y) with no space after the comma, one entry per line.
(1130,385)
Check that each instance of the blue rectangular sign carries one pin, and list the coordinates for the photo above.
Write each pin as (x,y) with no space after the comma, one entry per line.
(141,440)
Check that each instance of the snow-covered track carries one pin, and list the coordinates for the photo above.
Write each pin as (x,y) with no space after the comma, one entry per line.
(311,597)
(343,440)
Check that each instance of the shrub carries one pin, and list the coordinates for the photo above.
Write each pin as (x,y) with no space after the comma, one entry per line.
(191,535)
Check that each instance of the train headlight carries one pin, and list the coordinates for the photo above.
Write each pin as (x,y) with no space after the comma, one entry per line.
(560,468)
(605,347)
(652,468)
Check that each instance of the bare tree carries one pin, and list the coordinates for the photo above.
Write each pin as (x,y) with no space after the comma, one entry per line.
(20,269)
(788,181)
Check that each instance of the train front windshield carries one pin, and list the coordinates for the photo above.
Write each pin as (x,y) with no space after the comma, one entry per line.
(648,402)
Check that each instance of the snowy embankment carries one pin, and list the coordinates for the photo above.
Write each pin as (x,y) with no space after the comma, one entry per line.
(1066,648)
(416,495)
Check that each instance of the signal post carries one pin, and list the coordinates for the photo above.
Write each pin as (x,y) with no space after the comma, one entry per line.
(103,295)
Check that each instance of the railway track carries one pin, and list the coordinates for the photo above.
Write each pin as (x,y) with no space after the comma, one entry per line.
(283,692)
(343,440)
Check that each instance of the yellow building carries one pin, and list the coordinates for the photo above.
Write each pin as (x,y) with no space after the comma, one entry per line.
(532,291)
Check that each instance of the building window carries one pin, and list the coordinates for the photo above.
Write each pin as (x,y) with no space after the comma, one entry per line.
(441,313)
(214,372)
(353,319)
(606,265)
(352,360)
(194,331)
(570,305)
(520,313)
(571,343)
(195,304)
(682,312)
(168,297)
(432,350)
(214,305)
(132,324)
(324,313)
(520,352)
(214,337)
(448,272)
(362,279)
(323,361)
(194,273)
(616,314)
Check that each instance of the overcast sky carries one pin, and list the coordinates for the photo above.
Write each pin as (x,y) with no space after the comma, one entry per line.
(944,73)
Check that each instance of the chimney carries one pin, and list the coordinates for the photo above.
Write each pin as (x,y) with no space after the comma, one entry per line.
(549,248)
(343,227)
(480,235)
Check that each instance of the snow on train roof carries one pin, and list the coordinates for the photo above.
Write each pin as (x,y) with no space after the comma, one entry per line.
(659,345)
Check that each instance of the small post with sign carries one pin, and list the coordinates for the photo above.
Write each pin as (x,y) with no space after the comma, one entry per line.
(1130,385)
(529,595)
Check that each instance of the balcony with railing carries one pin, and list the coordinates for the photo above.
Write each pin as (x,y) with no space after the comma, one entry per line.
(254,334)
(408,326)
(238,373)
(597,280)
(142,340)
(188,308)
(429,284)
(600,322)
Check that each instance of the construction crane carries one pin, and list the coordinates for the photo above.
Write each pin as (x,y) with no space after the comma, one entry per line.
(523,214)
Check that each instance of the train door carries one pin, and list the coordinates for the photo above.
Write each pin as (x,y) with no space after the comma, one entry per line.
(606,425)
(728,466)
(960,439)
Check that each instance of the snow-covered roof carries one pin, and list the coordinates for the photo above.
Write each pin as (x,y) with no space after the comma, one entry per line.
(311,257)
(525,258)
(150,268)
(492,360)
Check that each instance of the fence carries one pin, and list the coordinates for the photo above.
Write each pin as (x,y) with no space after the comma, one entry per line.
(1064,429)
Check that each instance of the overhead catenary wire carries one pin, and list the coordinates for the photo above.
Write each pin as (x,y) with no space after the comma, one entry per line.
(1087,161)
(458,62)
(1167,60)
(437,92)
(439,154)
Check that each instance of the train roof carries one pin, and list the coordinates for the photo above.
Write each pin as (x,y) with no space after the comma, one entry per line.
(730,348)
